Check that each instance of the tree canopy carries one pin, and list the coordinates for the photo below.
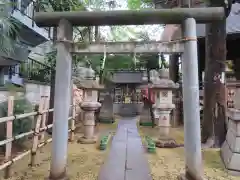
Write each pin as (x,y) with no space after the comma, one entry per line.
(114,33)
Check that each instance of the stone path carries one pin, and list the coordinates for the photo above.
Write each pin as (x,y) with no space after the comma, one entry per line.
(126,160)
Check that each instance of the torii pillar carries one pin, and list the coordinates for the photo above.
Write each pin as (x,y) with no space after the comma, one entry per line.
(61,102)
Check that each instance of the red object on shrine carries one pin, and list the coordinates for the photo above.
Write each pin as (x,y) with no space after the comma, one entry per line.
(145,95)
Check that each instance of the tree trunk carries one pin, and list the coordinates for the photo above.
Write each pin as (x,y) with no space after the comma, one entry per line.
(236,67)
(52,86)
(149,99)
(97,113)
(213,125)
(173,68)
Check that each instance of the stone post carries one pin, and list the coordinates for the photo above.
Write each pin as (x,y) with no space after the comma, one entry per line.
(89,108)
(163,106)
(163,121)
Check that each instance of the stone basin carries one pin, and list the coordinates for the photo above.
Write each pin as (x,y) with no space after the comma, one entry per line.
(90,106)
(164,106)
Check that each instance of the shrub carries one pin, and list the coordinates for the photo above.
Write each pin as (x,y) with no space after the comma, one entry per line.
(21,106)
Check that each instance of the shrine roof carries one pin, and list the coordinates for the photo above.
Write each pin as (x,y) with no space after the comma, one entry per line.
(86,84)
(232,23)
(127,77)
(172,32)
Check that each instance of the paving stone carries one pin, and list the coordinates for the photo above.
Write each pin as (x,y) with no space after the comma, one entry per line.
(233,173)
(231,139)
(126,160)
(114,167)
(234,163)
(234,126)
(226,153)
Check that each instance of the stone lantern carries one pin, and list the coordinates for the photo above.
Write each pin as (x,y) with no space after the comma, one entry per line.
(162,89)
(89,105)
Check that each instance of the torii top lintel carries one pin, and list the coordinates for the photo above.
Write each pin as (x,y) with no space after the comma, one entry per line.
(130,17)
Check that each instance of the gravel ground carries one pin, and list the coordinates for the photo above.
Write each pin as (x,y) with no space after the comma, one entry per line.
(168,164)
(84,161)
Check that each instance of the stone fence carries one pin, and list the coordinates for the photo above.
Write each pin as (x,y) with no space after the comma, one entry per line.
(233,94)
(230,150)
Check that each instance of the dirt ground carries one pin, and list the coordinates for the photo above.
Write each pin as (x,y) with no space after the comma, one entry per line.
(84,161)
(167,164)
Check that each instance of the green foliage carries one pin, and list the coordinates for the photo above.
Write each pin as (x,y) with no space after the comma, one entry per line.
(60,5)
(12,88)
(150,61)
(21,106)
(134,4)
(112,62)
(151,146)
(229,65)
(164,63)
(50,60)
(138,4)
(104,141)
(66,5)
(9,28)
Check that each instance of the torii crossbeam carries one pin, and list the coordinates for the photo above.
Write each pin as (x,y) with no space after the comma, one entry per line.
(130,17)
(129,47)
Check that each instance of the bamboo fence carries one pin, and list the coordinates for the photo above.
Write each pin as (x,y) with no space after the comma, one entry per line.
(38,132)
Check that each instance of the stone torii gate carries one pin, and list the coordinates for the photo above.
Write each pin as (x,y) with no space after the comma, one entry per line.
(65,47)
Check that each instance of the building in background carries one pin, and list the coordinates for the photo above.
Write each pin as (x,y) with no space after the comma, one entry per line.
(30,36)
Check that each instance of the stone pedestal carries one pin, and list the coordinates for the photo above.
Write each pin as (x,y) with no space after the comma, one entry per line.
(230,150)
(163,120)
(164,125)
(89,109)
(106,111)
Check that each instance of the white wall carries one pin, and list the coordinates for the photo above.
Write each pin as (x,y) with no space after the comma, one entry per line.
(4,95)
(33,92)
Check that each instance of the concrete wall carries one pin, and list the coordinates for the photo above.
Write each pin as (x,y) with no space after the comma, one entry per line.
(33,92)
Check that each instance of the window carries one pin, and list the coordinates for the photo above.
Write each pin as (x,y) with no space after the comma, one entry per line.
(164,94)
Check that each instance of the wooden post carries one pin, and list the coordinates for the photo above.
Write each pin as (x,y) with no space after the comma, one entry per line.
(44,117)
(36,133)
(9,134)
(73,119)
(213,128)
(236,67)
